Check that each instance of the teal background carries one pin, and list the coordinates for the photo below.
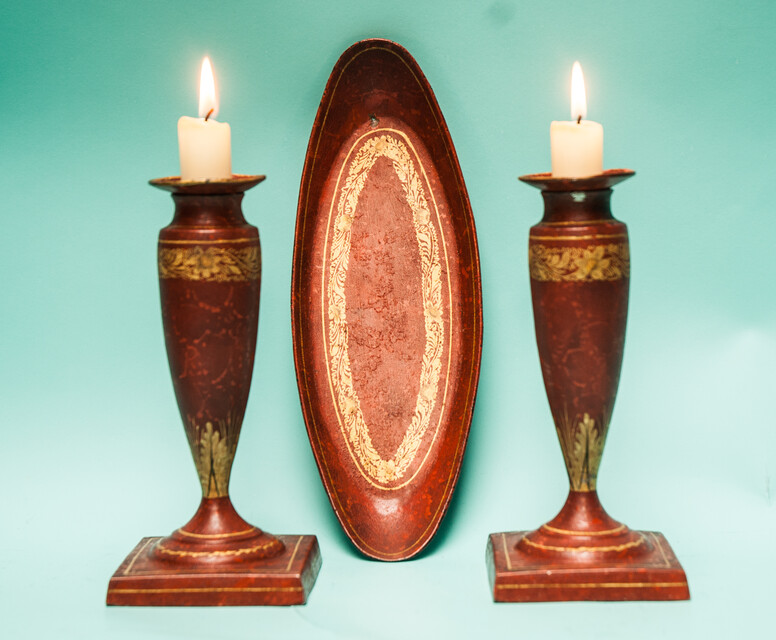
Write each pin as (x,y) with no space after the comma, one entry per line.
(93,453)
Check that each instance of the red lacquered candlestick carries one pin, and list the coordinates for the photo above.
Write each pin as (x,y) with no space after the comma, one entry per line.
(580,272)
(209,277)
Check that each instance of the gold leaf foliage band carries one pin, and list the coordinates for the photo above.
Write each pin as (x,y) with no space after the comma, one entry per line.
(579,264)
(377,468)
(210,264)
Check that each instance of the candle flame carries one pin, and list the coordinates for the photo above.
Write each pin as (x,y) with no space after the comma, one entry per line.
(208,100)
(578,96)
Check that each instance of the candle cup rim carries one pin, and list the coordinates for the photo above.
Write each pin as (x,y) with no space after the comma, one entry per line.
(606,180)
(238,183)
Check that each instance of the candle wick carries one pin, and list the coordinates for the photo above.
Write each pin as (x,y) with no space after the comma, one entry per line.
(579,119)
(209,113)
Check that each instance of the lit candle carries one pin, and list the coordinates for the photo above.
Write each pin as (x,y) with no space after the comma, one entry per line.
(577,147)
(205,145)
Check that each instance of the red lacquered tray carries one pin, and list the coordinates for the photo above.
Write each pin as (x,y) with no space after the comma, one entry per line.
(386,301)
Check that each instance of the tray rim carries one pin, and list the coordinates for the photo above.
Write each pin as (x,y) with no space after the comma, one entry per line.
(298,307)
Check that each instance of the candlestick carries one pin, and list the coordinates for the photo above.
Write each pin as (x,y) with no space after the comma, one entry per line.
(580,272)
(577,147)
(209,276)
(205,145)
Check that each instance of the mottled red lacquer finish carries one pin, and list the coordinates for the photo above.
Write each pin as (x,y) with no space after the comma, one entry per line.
(386,302)
(580,272)
(209,276)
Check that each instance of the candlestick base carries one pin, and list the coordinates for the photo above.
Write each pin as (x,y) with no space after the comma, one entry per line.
(516,576)
(143,579)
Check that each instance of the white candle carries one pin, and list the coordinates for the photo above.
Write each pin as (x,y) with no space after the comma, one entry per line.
(577,147)
(205,145)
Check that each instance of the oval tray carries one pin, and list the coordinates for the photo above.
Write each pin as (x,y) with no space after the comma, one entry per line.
(386,301)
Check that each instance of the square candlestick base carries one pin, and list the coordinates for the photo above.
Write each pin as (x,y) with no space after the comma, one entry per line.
(519,577)
(143,580)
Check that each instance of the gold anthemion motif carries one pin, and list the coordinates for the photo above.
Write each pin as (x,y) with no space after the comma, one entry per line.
(578,264)
(582,443)
(379,469)
(210,264)
(213,450)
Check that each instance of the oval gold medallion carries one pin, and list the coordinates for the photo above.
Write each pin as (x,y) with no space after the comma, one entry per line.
(385,469)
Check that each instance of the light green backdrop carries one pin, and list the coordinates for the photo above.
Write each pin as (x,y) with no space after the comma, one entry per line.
(93,452)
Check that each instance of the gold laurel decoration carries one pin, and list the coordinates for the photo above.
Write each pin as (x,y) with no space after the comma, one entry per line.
(213,451)
(216,553)
(578,264)
(379,469)
(617,547)
(582,444)
(210,264)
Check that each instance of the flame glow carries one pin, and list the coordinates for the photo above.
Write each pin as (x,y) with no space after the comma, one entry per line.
(578,95)
(208,100)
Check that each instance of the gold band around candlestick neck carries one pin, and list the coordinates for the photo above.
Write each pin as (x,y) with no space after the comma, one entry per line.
(589,263)
(211,263)
(605,180)
(238,183)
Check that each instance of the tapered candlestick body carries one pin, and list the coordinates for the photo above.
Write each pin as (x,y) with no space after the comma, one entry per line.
(209,277)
